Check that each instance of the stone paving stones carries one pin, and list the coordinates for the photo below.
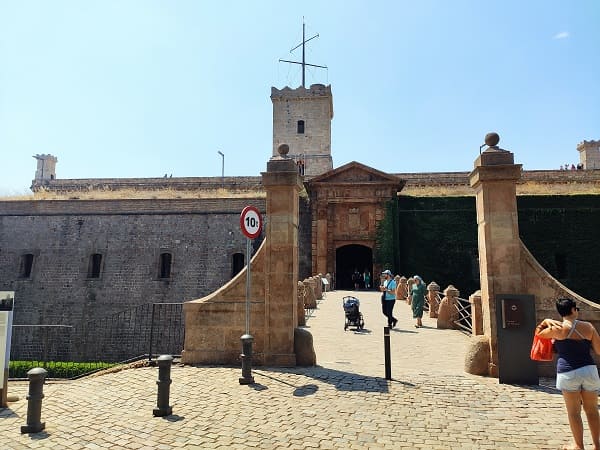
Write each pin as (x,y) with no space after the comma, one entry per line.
(344,403)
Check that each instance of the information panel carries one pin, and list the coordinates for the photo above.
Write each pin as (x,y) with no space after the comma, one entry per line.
(7,299)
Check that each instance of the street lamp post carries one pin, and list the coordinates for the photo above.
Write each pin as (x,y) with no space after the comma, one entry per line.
(222,166)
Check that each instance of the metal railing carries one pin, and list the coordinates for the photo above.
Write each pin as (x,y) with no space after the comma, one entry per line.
(144,331)
(465,319)
(464,322)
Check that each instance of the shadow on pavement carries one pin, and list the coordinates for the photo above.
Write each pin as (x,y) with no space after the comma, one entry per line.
(342,381)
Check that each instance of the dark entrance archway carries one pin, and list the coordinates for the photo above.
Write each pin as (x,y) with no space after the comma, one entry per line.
(351,258)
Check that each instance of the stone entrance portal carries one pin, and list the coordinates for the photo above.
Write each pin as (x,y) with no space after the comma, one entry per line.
(351,258)
(346,205)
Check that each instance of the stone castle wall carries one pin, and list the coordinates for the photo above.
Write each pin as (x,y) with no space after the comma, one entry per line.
(201,235)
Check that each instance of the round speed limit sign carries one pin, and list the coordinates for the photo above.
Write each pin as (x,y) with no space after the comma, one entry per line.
(251,222)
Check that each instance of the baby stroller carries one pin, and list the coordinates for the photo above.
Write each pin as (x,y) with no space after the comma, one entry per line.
(352,311)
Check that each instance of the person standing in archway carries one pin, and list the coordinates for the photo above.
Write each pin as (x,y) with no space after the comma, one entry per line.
(388,298)
(367,279)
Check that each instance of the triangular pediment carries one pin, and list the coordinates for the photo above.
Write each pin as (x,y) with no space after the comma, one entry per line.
(355,172)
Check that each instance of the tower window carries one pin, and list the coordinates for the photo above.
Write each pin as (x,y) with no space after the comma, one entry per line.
(26,266)
(301,127)
(95,265)
(164,270)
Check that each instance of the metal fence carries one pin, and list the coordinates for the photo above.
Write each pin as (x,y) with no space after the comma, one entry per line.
(145,331)
(465,319)
(464,322)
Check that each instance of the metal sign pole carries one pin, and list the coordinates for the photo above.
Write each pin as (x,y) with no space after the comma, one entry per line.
(247,338)
(251,226)
(248,248)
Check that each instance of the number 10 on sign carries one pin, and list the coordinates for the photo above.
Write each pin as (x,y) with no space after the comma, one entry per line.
(251,222)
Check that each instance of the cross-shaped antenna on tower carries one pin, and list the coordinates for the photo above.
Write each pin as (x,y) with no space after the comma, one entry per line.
(303,63)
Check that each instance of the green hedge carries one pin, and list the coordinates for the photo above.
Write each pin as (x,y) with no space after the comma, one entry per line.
(56,369)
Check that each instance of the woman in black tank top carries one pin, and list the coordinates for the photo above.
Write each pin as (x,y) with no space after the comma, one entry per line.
(577,374)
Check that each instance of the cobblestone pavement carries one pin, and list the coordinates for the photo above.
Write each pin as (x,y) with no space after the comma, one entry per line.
(343,403)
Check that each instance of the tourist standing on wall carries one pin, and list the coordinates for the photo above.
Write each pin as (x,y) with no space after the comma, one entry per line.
(576,371)
(388,298)
(417,295)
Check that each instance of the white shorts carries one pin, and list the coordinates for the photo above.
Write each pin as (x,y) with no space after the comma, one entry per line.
(583,379)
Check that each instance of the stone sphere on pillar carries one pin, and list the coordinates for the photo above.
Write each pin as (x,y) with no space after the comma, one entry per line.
(492,139)
(283,150)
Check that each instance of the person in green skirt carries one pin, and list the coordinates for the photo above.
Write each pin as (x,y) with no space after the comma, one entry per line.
(417,294)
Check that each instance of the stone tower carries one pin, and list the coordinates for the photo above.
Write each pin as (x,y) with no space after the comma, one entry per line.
(302,119)
(46,167)
(589,154)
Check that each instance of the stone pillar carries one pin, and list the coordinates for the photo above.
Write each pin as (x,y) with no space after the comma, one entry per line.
(494,179)
(320,246)
(476,313)
(433,290)
(282,184)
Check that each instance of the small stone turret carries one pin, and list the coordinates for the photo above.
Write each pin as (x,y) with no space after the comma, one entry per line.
(46,168)
(589,154)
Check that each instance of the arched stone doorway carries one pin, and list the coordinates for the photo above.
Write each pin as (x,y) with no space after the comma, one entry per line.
(349,258)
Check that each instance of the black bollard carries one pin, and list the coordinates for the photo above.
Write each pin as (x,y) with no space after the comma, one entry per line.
(164,384)
(36,376)
(386,347)
(246,357)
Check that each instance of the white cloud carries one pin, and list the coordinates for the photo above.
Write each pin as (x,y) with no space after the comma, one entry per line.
(561,35)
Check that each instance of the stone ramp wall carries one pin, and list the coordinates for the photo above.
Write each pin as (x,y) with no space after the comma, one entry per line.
(214,324)
(546,289)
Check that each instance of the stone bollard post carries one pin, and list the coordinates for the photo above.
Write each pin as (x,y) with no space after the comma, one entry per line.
(318,287)
(246,356)
(409,284)
(310,301)
(433,290)
(448,312)
(403,289)
(36,376)
(300,306)
(476,313)
(164,384)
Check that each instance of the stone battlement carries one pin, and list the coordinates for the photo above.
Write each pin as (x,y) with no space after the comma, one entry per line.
(250,184)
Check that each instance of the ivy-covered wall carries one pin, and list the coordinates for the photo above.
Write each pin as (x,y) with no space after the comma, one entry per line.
(438,239)
(563,233)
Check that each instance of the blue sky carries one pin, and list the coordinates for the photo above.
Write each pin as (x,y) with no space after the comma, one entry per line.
(119,88)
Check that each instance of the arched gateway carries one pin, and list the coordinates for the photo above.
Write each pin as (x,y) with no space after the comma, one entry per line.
(350,259)
(346,205)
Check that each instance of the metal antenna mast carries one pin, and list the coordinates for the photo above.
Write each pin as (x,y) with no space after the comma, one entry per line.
(303,63)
